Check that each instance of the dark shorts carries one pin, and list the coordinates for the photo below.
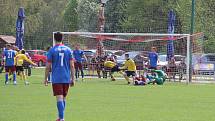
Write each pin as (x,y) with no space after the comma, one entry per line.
(60,89)
(130,73)
(115,69)
(155,68)
(10,68)
(78,65)
(19,68)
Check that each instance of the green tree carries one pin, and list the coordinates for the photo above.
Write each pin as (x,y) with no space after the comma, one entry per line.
(52,20)
(146,16)
(70,16)
(87,15)
(114,15)
(204,22)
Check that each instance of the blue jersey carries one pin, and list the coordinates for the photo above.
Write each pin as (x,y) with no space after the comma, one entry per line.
(59,56)
(9,57)
(153,58)
(78,54)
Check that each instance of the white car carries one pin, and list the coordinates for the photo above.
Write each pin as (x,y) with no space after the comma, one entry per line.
(203,64)
(137,56)
(163,63)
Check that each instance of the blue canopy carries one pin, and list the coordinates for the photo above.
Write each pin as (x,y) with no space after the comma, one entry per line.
(171,29)
(20,28)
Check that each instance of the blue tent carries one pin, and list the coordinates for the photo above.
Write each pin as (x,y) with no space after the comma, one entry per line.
(20,28)
(171,29)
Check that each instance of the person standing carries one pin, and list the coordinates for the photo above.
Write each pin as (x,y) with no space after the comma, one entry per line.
(61,64)
(20,58)
(9,56)
(79,55)
(153,58)
(50,73)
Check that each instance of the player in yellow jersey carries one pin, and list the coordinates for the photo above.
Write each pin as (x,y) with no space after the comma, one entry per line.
(113,67)
(20,58)
(130,68)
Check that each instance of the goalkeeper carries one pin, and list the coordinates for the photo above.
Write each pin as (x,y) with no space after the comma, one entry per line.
(159,79)
(113,68)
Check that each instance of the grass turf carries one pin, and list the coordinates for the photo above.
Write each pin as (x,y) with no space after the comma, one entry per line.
(103,100)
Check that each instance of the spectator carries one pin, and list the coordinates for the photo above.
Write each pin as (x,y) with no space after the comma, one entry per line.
(172,68)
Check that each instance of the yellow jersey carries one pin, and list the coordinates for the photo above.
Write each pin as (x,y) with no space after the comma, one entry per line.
(109,64)
(20,59)
(129,65)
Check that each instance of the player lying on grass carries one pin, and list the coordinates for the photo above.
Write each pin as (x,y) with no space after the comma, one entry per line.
(130,67)
(20,58)
(159,78)
(113,68)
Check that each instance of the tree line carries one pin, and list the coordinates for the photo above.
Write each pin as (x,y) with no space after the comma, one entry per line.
(151,16)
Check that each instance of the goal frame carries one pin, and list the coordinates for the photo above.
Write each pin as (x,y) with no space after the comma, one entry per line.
(188,36)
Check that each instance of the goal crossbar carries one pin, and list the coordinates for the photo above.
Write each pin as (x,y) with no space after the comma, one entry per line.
(123,34)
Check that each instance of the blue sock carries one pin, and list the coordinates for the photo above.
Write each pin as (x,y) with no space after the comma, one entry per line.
(14,77)
(60,107)
(6,77)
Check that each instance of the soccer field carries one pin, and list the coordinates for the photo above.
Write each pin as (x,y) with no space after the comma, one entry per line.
(103,100)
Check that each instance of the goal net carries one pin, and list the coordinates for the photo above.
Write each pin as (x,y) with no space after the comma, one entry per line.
(173,50)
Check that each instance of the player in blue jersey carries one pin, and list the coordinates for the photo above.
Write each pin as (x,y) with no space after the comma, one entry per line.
(153,58)
(61,64)
(79,56)
(9,59)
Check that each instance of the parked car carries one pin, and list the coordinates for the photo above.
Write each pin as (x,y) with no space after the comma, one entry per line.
(38,56)
(89,54)
(163,63)
(137,56)
(119,52)
(203,64)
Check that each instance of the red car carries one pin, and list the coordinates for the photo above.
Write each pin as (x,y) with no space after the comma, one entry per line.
(38,56)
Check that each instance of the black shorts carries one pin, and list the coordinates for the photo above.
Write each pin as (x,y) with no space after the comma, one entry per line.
(115,69)
(155,68)
(130,73)
(19,68)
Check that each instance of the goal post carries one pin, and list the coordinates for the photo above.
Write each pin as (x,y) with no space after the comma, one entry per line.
(133,42)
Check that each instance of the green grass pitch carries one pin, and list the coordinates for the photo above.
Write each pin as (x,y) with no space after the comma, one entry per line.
(103,100)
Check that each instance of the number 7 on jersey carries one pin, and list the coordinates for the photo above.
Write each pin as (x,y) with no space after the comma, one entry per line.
(61,58)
